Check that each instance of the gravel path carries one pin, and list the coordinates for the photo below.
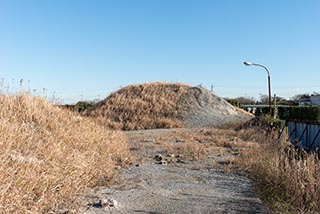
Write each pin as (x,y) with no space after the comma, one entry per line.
(176,187)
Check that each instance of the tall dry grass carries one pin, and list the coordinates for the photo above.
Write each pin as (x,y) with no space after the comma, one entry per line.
(144,106)
(287,179)
(49,156)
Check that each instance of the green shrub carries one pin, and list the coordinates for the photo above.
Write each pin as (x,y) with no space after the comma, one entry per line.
(309,113)
(304,113)
(83,105)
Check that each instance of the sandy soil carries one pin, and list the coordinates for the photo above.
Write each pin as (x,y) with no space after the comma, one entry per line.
(161,182)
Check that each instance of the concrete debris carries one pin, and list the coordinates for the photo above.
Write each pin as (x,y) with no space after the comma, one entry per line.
(108,203)
(171,155)
(103,203)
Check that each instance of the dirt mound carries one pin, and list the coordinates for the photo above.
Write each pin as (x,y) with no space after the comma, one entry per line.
(202,108)
(48,155)
(164,105)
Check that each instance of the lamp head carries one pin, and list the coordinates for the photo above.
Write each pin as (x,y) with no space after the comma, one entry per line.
(247,63)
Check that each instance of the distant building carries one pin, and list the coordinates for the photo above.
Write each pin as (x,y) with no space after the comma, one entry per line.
(311,101)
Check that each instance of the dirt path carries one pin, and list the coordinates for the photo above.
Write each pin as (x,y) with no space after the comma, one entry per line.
(177,171)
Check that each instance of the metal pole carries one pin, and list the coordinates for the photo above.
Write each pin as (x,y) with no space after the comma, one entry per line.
(269,85)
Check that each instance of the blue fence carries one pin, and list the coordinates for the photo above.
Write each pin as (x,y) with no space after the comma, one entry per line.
(306,135)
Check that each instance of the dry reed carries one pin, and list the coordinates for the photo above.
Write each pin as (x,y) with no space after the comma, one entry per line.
(286,178)
(49,156)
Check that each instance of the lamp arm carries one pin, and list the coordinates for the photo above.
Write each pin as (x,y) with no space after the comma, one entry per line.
(265,68)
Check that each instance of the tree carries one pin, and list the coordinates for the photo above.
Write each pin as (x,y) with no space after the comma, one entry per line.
(284,101)
(241,101)
(264,99)
(295,99)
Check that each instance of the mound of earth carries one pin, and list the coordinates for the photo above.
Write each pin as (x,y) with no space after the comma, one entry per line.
(165,105)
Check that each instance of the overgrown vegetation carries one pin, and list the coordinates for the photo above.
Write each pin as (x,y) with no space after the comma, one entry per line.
(49,156)
(286,178)
(300,113)
(145,106)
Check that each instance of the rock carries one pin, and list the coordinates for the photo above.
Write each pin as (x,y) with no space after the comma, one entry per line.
(180,161)
(158,157)
(102,203)
(108,203)
(162,162)
(171,155)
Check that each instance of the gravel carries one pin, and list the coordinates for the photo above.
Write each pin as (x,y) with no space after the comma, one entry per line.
(204,109)
(153,188)
(178,187)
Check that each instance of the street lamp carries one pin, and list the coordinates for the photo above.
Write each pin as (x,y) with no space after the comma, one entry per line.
(269,88)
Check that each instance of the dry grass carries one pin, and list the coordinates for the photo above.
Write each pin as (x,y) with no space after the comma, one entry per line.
(287,179)
(188,151)
(216,137)
(190,144)
(144,106)
(48,156)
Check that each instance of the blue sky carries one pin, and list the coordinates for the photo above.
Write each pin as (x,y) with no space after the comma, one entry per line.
(78,49)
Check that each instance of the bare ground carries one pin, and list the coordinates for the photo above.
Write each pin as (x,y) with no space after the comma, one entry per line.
(178,171)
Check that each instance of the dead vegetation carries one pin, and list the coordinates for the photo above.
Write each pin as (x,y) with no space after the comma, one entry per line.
(191,144)
(48,156)
(163,105)
(145,106)
(286,178)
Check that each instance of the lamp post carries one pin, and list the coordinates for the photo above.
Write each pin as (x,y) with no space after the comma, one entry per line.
(269,87)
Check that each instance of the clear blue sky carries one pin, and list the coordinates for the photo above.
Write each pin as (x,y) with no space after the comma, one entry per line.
(87,49)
